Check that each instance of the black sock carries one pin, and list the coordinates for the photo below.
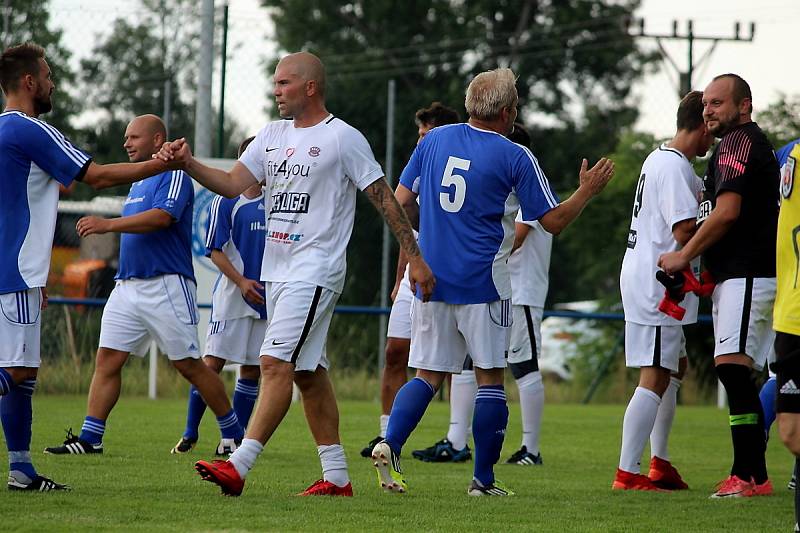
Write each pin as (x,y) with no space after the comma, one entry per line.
(746,421)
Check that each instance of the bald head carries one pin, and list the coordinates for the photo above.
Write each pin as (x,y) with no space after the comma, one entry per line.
(307,67)
(152,124)
(144,136)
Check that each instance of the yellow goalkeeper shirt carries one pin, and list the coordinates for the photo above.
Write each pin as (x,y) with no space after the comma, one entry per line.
(786,317)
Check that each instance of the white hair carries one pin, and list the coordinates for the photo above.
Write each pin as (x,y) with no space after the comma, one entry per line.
(489,92)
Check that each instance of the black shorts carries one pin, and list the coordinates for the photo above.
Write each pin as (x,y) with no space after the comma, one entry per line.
(787,370)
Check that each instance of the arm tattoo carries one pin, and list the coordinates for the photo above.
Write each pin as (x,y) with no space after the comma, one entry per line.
(384,201)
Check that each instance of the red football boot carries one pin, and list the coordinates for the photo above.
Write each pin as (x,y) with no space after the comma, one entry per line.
(223,473)
(664,476)
(630,481)
(734,487)
(325,488)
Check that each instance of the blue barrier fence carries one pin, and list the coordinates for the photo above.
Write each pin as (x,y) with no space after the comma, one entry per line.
(367,310)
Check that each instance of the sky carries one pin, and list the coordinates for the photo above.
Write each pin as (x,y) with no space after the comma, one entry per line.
(761,62)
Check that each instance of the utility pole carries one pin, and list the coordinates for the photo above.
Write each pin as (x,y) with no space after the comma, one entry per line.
(685,83)
(224,54)
(202,120)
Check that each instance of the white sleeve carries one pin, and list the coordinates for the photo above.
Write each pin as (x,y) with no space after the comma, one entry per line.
(677,198)
(254,154)
(532,223)
(357,159)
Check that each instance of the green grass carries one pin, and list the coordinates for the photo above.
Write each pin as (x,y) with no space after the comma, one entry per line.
(138,486)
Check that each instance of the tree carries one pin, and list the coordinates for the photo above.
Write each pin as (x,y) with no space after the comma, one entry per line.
(575,59)
(781,120)
(145,66)
(28,20)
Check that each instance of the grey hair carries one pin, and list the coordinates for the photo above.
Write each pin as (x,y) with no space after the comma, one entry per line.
(489,92)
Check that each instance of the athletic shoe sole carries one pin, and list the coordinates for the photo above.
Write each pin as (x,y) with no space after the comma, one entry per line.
(381,458)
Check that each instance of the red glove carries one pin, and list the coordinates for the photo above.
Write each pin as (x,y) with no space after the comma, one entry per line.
(677,285)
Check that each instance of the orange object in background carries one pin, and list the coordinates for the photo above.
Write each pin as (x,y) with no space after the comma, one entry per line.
(77,276)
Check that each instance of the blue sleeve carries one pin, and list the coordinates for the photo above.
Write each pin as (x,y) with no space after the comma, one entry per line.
(531,186)
(51,151)
(783,153)
(174,193)
(219,227)
(412,170)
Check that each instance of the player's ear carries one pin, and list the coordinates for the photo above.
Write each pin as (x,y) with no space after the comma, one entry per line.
(29,81)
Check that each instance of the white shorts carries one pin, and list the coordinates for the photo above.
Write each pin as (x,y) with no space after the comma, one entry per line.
(162,309)
(647,345)
(526,334)
(237,340)
(742,315)
(442,334)
(20,328)
(299,317)
(400,316)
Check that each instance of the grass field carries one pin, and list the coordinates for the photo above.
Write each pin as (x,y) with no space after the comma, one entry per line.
(137,485)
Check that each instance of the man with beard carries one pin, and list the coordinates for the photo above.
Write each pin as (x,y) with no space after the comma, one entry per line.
(737,224)
(35,158)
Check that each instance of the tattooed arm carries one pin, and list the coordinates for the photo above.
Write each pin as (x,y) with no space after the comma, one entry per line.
(385,202)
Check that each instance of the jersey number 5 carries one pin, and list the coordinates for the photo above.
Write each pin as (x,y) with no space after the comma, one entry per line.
(452,201)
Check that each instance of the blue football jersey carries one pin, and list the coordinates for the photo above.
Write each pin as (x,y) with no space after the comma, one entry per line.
(34,158)
(783,153)
(472,182)
(237,227)
(166,251)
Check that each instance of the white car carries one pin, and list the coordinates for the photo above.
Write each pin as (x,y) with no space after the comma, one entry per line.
(562,338)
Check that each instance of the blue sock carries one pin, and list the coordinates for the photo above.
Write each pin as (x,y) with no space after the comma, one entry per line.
(92,430)
(229,426)
(197,406)
(488,430)
(16,414)
(244,398)
(409,405)
(767,397)
(6,383)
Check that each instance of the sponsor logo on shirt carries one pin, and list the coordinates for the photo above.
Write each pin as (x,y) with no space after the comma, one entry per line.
(286,170)
(290,202)
(632,239)
(258,226)
(314,151)
(703,211)
(287,238)
(135,200)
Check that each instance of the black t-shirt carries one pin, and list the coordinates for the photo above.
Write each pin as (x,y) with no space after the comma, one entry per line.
(743,162)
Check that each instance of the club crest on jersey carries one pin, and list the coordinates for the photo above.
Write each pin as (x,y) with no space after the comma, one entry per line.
(289,152)
(787,177)
(313,151)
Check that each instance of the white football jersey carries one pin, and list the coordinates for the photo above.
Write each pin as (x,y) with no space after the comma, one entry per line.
(311,175)
(667,192)
(529,266)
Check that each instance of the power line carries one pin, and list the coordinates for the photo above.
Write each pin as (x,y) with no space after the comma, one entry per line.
(685,77)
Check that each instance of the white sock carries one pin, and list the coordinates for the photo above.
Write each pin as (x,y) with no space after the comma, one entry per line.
(334,464)
(245,456)
(384,425)
(659,437)
(636,427)
(531,403)
(463,389)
